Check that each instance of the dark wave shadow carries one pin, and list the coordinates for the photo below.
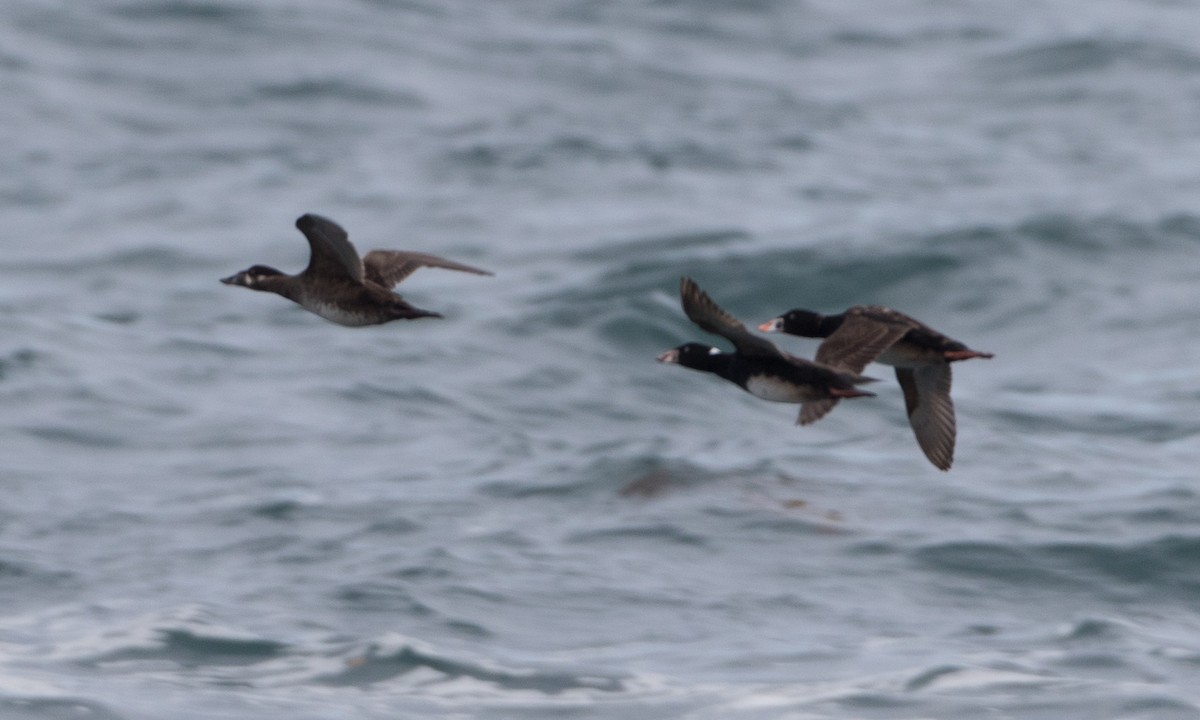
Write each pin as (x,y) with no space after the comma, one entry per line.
(372,668)
(192,650)
(54,708)
(1088,55)
(1168,567)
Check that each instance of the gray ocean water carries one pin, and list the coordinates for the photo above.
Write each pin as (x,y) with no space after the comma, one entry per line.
(216,505)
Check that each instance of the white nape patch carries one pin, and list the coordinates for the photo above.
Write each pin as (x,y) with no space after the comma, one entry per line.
(776,390)
(714,351)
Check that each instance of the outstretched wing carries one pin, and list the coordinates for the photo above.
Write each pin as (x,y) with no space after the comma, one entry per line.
(389,267)
(858,341)
(332,252)
(701,309)
(814,410)
(930,410)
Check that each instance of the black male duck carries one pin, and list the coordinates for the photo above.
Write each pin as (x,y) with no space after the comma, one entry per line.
(756,365)
(341,287)
(920,355)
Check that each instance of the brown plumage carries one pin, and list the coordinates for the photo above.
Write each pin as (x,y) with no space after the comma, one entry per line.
(341,287)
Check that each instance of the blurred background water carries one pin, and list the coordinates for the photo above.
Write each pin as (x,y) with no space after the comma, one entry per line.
(217,505)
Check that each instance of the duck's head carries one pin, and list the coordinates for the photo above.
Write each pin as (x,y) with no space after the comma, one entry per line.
(253,277)
(804,323)
(691,355)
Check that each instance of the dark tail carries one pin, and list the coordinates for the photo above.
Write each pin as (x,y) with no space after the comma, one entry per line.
(408,312)
(849,393)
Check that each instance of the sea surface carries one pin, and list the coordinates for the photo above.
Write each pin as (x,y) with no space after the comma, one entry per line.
(214,504)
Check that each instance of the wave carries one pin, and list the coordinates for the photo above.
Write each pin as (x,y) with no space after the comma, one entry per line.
(186,647)
(54,708)
(996,271)
(1166,567)
(1087,55)
(378,665)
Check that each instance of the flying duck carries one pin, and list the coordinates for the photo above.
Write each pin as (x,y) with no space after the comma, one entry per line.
(341,287)
(756,365)
(920,355)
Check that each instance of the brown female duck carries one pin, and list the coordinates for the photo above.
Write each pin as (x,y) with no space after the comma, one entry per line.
(341,287)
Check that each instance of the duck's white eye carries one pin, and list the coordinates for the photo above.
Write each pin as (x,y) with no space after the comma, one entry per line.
(714,351)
